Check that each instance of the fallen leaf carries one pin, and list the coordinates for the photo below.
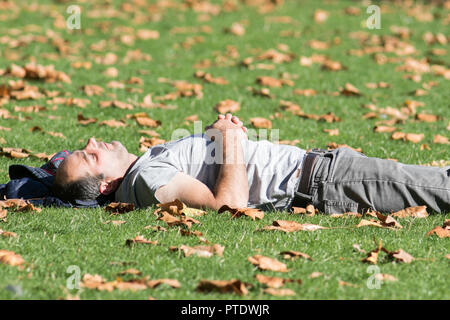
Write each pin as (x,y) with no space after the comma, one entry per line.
(201,251)
(274,282)
(259,122)
(140,239)
(385,277)
(7,234)
(266,263)
(170,282)
(131,271)
(223,286)
(295,254)
(440,139)
(417,212)
(238,212)
(119,207)
(401,256)
(279,292)
(315,274)
(11,258)
(387,220)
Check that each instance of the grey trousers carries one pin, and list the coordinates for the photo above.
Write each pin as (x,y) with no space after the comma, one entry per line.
(345,180)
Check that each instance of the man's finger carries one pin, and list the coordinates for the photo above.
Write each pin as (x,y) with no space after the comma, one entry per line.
(220,117)
(228,116)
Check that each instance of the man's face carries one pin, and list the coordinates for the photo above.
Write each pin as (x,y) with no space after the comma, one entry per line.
(109,159)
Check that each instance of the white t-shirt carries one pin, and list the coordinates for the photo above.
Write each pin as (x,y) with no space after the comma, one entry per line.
(271,170)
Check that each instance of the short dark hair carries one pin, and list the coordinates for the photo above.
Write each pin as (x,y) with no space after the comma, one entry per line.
(85,188)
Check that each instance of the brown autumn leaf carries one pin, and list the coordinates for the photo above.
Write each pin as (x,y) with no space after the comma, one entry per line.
(223,286)
(140,239)
(349,90)
(387,220)
(371,222)
(19,205)
(426,117)
(227,106)
(170,282)
(147,143)
(401,256)
(85,121)
(315,274)
(96,282)
(320,15)
(266,263)
(385,277)
(346,215)
(92,90)
(238,212)
(273,82)
(414,137)
(332,132)
(271,282)
(119,207)
(131,271)
(383,129)
(259,122)
(207,77)
(290,254)
(441,232)
(177,220)
(112,123)
(11,258)
(357,247)
(7,234)
(305,92)
(372,256)
(201,251)
(148,122)
(279,292)
(440,139)
(417,212)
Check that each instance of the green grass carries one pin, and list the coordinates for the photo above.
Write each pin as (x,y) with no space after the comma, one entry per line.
(54,239)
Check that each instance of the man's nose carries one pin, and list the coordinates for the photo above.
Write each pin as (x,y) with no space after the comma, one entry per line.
(92,143)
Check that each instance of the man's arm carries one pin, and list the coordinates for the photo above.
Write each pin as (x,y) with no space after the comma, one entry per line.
(232,184)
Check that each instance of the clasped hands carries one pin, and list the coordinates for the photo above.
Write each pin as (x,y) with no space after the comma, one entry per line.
(227,125)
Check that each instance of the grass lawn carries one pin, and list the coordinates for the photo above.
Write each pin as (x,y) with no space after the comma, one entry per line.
(189,35)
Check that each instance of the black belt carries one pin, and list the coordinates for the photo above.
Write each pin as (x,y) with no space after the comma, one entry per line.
(307,170)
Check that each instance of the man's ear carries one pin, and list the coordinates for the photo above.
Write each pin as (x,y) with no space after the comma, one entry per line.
(107,187)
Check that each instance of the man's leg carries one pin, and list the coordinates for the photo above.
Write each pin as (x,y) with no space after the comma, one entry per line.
(346,180)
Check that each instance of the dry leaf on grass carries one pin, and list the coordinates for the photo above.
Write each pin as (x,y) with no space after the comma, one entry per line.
(7,234)
(201,251)
(223,286)
(157,282)
(372,257)
(279,292)
(11,258)
(417,212)
(238,212)
(140,239)
(259,123)
(385,277)
(441,232)
(400,256)
(291,226)
(266,263)
(131,271)
(227,106)
(115,222)
(290,254)
(119,207)
(274,282)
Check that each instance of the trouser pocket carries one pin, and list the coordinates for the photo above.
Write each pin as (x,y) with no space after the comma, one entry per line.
(336,206)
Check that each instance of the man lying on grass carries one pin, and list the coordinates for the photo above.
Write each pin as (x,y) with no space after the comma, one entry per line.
(222,167)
